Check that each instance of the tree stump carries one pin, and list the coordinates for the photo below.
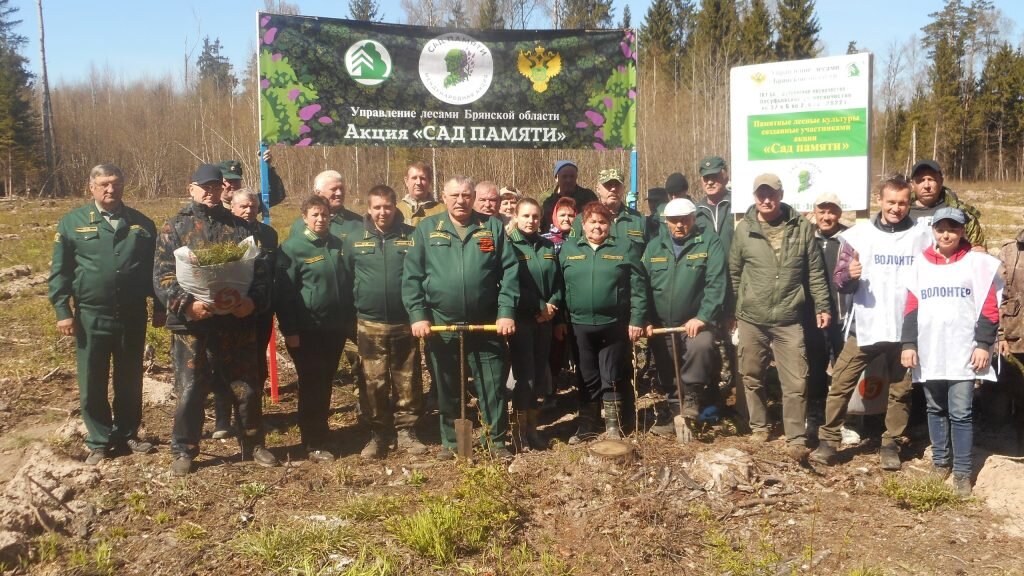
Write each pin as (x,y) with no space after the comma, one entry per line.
(611,454)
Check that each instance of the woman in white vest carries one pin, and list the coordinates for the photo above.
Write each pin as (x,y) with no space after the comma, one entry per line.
(949,329)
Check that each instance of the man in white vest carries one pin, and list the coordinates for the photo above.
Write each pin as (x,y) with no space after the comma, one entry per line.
(873,264)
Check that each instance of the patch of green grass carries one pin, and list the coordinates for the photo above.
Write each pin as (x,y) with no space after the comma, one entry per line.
(372,562)
(552,565)
(191,531)
(921,494)
(254,490)
(161,518)
(97,561)
(137,501)
(740,558)
(280,549)
(866,571)
(416,478)
(372,508)
(47,547)
(481,510)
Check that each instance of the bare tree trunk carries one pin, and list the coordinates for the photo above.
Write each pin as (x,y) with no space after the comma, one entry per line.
(47,111)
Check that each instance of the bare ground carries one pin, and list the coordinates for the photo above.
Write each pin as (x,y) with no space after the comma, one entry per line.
(569,514)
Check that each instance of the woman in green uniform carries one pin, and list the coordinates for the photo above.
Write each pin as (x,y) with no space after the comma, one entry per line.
(540,301)
(606,299)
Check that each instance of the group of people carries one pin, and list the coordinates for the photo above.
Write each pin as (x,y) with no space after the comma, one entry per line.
(580,275)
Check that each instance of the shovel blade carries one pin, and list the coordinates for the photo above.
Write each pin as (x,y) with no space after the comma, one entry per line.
(464,437)
(683,433)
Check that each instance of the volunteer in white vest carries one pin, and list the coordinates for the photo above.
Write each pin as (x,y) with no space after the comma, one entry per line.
(949,329)
(873,262)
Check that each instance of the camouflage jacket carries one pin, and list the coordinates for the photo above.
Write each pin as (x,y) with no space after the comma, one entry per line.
(194,226)
(1011,320)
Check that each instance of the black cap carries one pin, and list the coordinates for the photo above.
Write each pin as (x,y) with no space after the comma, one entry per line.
(931,164)
(676,185)
(207,173)
(656,195)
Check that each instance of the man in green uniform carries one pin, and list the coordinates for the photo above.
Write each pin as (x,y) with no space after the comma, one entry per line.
(687,272)
(211,350)
(566,185)
(462,268)
(375,259)
(232,170)
(714,210)
(103,260)
(419,201)
(775,264)
(628,224)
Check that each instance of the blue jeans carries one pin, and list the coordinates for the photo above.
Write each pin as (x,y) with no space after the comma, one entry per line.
(950,425)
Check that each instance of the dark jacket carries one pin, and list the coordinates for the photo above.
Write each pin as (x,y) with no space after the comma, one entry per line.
(540,276)
(107,271)
(375,261)
(603,286)
(692,285)
(1011,317)
(195,226)
(582,196)
(717,219)
(830,246)
(772,291)
(311,285)
(449,279)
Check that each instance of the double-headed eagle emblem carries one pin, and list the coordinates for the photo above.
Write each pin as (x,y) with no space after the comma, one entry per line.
(540,66)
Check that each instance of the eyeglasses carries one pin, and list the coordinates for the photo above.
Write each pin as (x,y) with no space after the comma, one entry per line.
(210,186)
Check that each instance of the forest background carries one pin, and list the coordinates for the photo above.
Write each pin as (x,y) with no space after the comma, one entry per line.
(952,91)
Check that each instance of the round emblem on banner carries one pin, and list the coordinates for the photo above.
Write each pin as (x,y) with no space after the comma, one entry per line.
(368,62)
(456,68)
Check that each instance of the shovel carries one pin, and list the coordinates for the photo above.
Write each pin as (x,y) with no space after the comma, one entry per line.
(463,426)
(684,434)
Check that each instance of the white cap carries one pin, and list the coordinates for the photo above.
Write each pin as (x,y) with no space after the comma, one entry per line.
(679,207)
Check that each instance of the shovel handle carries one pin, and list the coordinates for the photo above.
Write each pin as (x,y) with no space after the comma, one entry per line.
(465,328)
(673,330)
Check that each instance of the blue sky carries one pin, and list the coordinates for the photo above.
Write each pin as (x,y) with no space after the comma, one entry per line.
(151,38)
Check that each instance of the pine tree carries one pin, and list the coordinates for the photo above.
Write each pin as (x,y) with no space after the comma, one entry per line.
(757,39)
(586,14)
(852,48)
(457,17)
(1000,105)
(627,18)
(366,10)
(489,16)
(214,68)
(798,30)
(716,30)
(19,131)
(656,35)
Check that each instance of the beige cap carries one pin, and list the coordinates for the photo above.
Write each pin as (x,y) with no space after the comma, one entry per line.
(509,191)
(768,179)
(828,198)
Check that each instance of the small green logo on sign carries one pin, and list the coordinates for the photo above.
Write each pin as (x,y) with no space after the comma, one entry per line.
(368,62)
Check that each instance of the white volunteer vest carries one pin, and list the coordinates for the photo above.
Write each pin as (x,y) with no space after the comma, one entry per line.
(949,302)
(886,259)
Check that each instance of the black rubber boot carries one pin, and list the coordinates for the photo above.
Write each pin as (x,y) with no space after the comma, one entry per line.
(586,423)
(612,429)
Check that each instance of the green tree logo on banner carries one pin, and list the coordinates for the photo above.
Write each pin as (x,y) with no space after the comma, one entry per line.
(368,62)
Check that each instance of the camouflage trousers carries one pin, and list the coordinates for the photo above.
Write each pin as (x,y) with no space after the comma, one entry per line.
(391,384)
(224,360)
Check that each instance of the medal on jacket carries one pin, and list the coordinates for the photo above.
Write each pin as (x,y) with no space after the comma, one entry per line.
(486,243)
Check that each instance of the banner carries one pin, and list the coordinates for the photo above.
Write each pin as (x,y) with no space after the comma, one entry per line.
(806,121)
(352,83)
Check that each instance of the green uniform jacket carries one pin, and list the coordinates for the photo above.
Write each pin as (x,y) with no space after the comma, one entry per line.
(196,225)
(311,283)
(106,271)
(375,262)
(603,286)
(450,280)
(582,196)
(690,286)
(717,219)
(628,224)
(540,276)
(342,224)
(771,291)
